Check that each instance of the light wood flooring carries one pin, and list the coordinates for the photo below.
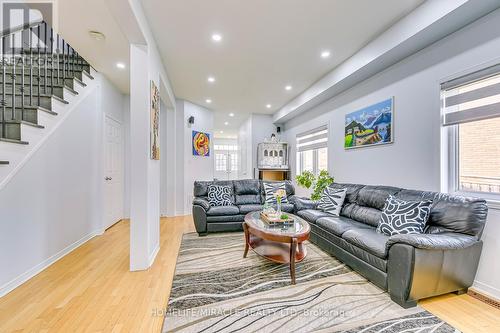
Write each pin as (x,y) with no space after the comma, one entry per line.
(92,290)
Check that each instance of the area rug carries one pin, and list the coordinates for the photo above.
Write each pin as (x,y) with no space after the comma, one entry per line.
(215,289)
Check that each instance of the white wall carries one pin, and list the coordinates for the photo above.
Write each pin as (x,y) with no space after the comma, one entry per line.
(414,160)
(145,65)
(245,144)
(253,131)
(167,160)
(54,203)
(196,167)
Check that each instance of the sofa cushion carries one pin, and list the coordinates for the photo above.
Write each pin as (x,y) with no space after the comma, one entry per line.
(246,186)
(247,199)
(290,189)
(369,240)
(311,215)
(220,195)
(287,207)
(244,209)
(201,187)
(352,190)
(223,210)
(404,217)
(247,192)
(375,196)
(368,257)
(339,225)
(368,215)
(331,200)
(270,189)
(225,218)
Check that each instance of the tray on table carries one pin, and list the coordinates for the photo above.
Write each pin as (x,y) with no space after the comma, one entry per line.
(275,220)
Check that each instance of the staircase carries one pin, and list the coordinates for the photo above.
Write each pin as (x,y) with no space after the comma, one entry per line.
(40,76)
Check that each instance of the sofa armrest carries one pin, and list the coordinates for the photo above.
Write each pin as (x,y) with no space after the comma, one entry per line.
(201,202)
(441,241)
(414,272)
(302,203)
(200,219)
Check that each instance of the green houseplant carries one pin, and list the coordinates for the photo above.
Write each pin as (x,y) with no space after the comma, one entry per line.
(318,183)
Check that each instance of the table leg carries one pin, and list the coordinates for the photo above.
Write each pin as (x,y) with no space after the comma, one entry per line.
(293,249)
(247,239)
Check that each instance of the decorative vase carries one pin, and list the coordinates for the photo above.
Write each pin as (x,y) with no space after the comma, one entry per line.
(278,210)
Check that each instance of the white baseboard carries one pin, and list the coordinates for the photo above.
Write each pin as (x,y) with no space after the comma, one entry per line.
(16,282)
(153,255)
(487,289)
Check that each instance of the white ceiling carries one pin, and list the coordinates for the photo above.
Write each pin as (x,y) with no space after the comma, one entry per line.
(266,45)
(76,18)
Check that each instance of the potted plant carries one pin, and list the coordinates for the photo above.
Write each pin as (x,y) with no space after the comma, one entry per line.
(318,183)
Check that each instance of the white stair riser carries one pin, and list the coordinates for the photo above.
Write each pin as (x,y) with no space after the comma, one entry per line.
(16,153)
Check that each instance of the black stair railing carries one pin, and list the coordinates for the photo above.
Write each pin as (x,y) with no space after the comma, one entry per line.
(43,60)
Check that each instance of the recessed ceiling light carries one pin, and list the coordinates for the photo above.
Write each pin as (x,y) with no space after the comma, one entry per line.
(120,65)
(97,35)
(288,88)
(208,100)
(231,114)
(325,54)
(226,123)
(268,106)
(221,132)
(211,79)
(216,37)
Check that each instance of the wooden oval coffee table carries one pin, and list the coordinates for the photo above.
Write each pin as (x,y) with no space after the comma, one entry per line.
(279,243)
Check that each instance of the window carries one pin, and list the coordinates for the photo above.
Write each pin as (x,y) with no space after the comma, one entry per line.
(312,150)
(234,162)
(220,162)
(471,113)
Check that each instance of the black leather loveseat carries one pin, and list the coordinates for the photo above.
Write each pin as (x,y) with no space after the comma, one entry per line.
(248,196)
(411,267)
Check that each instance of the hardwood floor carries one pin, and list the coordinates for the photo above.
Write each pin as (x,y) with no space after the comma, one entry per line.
(92,290)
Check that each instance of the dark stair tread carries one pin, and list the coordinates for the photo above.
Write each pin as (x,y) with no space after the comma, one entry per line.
(33,107)
(56,85)
(36,95)
(24,122)
(19,142)
(4,162)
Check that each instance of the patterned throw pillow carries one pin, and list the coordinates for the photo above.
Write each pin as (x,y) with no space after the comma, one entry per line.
(270,189)
(220,195)
(404,217)
(331,200)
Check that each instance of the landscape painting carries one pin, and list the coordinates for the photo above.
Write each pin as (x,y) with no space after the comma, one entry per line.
(370,126)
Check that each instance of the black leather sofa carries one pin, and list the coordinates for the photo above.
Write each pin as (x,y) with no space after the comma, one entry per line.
(248,196)
(410,267)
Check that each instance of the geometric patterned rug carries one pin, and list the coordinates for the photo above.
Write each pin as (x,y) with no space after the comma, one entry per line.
(215,289)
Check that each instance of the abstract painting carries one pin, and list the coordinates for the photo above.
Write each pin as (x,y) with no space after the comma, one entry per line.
(370,126)
(201,144)
(155,122)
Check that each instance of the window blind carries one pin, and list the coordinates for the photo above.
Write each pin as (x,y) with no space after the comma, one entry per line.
(472,97)
(314,139)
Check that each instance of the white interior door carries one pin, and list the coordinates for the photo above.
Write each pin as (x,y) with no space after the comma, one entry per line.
(113,172)
(226,162)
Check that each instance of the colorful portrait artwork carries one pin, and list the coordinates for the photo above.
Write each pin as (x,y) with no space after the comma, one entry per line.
(155,122)
(201,144)
(370,126)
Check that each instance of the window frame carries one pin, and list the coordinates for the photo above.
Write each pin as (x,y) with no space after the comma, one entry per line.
(314,148)
(451,141)
(454,170)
